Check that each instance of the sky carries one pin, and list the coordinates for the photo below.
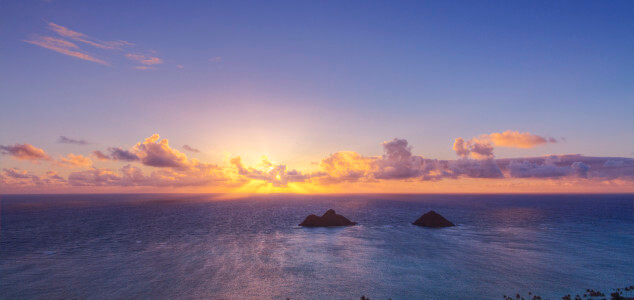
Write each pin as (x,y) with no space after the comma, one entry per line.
(317,96)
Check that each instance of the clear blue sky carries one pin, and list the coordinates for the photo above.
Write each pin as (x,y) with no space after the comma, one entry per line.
(296,80)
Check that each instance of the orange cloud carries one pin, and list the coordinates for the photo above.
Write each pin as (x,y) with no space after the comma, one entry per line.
(153,163)
(515,139)
(25,152)
(73,161)
(275,174)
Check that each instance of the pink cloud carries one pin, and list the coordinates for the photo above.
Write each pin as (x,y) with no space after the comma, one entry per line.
(64,47)
(80,37)
(25,152)
(146,60)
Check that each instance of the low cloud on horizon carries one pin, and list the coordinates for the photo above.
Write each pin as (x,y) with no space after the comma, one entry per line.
(153,162)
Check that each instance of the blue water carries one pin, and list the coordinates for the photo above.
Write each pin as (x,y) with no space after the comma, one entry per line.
(205,246)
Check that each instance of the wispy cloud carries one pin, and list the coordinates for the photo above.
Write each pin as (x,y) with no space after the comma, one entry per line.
(100,155)
(64,47)
(143,59)
(66,140)
(144,68)
(190,148)
(215,59)
(516,139)
(80,37)
(68,40)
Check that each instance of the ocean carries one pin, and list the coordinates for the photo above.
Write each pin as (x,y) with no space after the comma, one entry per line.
(155,246)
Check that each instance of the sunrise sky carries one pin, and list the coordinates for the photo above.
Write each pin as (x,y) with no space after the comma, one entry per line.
(317,97)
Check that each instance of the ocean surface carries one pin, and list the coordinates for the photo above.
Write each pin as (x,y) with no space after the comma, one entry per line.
(207,246)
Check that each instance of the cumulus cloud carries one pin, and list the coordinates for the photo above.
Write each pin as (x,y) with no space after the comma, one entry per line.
(190,148)
(117,153)
(276,174)
(66,140)
(398,162)
(25,152)
(157,153)
(19,177)
(74,160)
(93,177)
(473,148)
(154,163)
(346,166)
(133,176)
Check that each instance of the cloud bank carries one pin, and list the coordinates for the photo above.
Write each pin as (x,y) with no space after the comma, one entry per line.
(154,163)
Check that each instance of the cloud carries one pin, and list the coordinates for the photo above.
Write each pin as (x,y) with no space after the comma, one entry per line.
(276,174)
(398,163)
(144,68)
(527,169)
(153,162)
(94,177)
(157,153)
(66,140)
(215,59)
(99,155)
(180,66)
(74,160)
(80,37)
(18,177)
(133,176)
(473,148)
(117,153)
(560,166)
(481,168)
(146,60)
(515,139)
(64,47)
(190,149)
(25,152)
(52,177)
(580,168)
(15,176)
(346,166)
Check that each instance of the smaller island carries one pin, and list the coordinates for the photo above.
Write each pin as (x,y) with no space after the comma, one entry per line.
(433,220)
(329,219)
